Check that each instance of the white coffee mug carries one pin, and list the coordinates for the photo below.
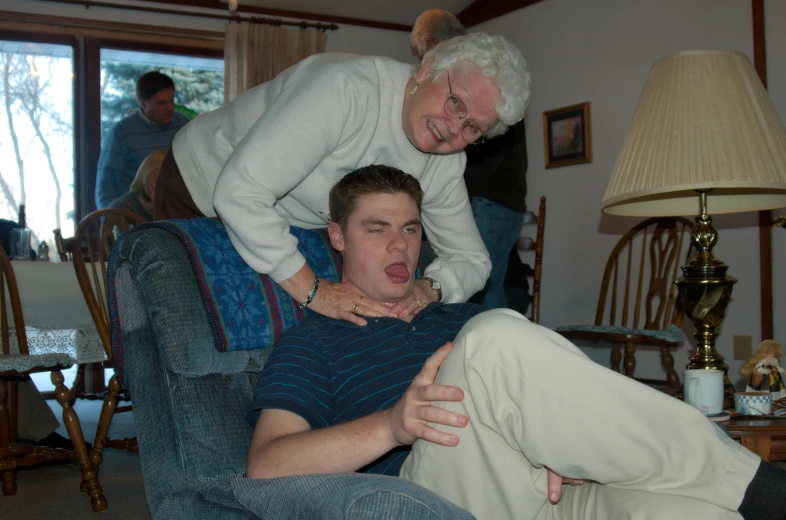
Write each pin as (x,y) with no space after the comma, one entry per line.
(703,390)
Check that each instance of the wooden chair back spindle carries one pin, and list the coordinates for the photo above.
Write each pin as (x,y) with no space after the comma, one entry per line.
(9,289)
(538,268)
(534,270)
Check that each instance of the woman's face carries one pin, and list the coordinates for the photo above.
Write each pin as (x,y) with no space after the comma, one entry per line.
(425,122)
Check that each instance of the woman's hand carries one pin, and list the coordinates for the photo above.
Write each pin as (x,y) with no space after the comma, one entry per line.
(421,296)
(340,300)
(344,301)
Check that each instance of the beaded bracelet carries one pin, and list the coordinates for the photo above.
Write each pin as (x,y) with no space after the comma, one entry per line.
(311,294)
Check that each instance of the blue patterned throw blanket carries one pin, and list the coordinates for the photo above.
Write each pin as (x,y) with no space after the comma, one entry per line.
(246,310)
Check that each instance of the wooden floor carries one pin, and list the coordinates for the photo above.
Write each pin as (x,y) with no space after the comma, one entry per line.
(52,491)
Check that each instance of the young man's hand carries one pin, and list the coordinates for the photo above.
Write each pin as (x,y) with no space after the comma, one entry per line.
(555,485)
(410,415)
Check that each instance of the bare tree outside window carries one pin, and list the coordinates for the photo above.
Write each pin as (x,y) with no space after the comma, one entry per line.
(36,136)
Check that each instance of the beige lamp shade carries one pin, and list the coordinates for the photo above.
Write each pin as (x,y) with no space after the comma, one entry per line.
(704,121)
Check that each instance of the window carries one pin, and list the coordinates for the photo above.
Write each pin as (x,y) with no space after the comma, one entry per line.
(37,136)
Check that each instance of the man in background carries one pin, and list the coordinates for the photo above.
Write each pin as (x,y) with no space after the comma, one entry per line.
(495,174)
(150,128)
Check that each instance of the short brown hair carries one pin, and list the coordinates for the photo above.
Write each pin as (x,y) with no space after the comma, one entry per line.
(369,180)
(151,83)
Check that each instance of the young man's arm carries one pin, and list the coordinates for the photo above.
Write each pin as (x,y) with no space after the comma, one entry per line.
(284,444)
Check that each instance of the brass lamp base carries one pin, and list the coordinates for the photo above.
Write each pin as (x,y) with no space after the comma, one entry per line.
(704,292)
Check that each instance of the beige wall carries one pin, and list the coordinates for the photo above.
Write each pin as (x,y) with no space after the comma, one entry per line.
(601,51)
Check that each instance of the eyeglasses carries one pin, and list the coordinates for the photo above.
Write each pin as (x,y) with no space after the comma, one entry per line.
(456,109)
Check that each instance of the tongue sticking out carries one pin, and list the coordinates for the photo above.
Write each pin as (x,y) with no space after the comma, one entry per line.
(397,272)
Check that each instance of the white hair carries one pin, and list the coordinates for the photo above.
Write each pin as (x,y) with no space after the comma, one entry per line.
(499,60)
(432,27)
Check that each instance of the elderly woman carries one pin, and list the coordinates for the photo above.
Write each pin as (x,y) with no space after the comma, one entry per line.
(139,198)
(267,160)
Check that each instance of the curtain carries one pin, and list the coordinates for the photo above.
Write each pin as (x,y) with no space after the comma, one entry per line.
(255,53)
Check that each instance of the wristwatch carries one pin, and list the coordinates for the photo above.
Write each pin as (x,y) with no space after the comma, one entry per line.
(434,285)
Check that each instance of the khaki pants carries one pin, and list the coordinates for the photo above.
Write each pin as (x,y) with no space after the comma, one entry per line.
(535,401)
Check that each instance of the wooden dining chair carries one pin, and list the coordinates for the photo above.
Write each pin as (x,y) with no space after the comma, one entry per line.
(637,306)
(525,265)
(64,247)
(94,238)
(16,363)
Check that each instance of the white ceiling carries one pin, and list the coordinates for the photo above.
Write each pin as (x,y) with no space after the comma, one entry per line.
(392,11)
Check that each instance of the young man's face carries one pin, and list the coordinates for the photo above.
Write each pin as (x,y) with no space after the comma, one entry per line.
(381,245)
(160,108)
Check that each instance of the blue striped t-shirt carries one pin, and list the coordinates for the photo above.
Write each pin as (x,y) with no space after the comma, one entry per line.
(332,371)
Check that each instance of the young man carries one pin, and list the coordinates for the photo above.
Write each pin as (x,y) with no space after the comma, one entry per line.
(489,418)
(152,127)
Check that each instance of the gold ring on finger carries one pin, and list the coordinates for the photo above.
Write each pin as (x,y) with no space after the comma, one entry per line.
(356,308)
(420,303)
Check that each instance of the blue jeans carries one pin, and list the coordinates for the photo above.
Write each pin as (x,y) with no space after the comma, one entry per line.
(499,228)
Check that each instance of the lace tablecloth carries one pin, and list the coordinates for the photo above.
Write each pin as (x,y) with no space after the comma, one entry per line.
(57,319)
(82,343)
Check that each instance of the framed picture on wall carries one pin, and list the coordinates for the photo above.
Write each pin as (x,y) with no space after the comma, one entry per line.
(567,135)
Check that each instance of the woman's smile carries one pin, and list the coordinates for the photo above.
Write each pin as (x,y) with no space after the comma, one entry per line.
(435,131)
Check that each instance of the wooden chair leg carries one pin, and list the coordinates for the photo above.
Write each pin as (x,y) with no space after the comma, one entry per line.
(107,412)
(616,357)
(668,365)
(71,423)
(79,380)
(8,476)
(630,359)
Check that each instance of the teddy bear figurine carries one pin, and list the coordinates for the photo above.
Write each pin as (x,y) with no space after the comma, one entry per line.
(764,370)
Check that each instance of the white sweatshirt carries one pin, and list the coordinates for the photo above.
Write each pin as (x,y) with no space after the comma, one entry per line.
(269,158)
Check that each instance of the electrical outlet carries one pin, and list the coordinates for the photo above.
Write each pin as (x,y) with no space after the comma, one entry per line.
(743,347)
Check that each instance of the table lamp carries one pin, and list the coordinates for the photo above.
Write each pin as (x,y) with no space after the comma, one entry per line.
(705,136)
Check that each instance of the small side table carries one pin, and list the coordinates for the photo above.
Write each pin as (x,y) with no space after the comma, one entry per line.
(765,437)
